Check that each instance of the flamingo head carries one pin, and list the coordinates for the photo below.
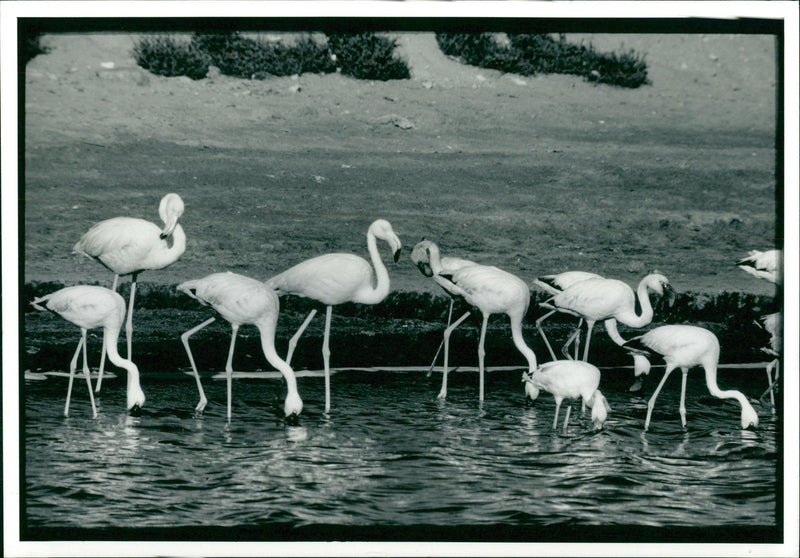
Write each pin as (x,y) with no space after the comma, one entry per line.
(531,391)
(600,409)
(749,415)
(659,284)
(170,209)
(135,395)
(293,406)
(383,229)
(419,255)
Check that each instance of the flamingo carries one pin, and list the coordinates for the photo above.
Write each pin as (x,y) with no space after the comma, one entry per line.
(764,265)
(89,307)
(685,346)
(555,284)
(241,300)
(773,324)
(492,291)
(569,379)
(129,246)
(337,278)
(419,256)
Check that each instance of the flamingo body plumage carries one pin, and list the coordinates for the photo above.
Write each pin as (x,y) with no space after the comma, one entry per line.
(569,379)
(492,291)
(129,246)
(685,346)
(90,307)
(241,300)
(763,264)
(556,283)
(337,278)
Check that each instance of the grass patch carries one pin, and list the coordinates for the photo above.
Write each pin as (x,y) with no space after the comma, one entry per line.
(368,56)
(165,56)
(531,54)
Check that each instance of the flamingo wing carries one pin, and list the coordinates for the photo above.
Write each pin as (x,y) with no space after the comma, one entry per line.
(122,244)
(331,279)
(86,306)
(237,298)
(597,299)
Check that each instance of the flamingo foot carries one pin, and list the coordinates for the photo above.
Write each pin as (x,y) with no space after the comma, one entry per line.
(442,394)
(202,405)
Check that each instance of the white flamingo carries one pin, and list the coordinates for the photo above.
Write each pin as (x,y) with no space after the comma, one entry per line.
(492,291)
(773,324)
(764,265)
(334,279)
(129,246)
(569,379)
(554,284)
(241,300)
(89,307)
(419,255)
(685,346)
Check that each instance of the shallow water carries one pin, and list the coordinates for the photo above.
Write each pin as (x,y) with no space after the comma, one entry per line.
(390,453)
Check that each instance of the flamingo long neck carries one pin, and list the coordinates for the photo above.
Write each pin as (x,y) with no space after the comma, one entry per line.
(516,336)
(381,289)
(713,388)
(111,335)
(169,254)
(267,330)
(629,318)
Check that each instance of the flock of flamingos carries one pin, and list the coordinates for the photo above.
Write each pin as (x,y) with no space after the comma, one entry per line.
(129,246)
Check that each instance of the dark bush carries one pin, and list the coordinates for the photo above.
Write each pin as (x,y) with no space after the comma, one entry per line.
(30,47)
(367,56)
(529,54)
(239,56)
(165,56)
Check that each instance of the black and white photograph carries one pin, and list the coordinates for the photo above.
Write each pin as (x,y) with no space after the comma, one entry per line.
(400,278)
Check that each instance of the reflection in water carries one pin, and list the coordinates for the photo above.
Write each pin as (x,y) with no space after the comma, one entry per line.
(382,458)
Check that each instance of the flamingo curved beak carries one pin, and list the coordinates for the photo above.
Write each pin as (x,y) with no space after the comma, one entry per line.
(397,254)
(169,227)
(671,294)
(425,268)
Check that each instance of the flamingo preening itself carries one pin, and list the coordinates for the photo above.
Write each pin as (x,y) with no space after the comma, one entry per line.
(419,255)
(554,284)
(764,265)
(569,379)
(129,246)
(241,300)
(492,291)
(334,279)
(685,346)
(90,307)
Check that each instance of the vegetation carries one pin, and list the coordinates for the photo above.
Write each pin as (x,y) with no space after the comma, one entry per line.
(165,56)
(367,56)
(30,47)
(530,54)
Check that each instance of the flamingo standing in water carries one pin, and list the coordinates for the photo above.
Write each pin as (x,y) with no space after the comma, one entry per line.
(89,307)
(554,284)
(419,255)
(685,346)
(337,278)
(241,300)
(610,300)
(492,291)
(569,379)
(773,324)
(128,246)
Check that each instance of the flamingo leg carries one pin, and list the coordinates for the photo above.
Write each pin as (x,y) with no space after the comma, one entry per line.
(446,340)
(185,340)
(72,365)
(566,419)
(326,358)
(589,327)
(652,402)
(86,374)
(570,340)
(296,337)
(682,407)
(482,354)
(229,366)
(114,285)
(102,366)
(541,332)
(439,350)
(129,321)
(555,417)
(578,338)
(774,365)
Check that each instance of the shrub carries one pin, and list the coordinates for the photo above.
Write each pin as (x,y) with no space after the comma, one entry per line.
(367,56)
(529,54)
(239,56)
(30,47)
(165,56)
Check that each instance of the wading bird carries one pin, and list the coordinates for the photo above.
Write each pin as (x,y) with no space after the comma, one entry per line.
(129,246)
(334,279)
(764,265)
(773,324)
(554,284)
(419,255)
(492,291)
(89,307)
(241,300)
(569,379)
(686,346)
